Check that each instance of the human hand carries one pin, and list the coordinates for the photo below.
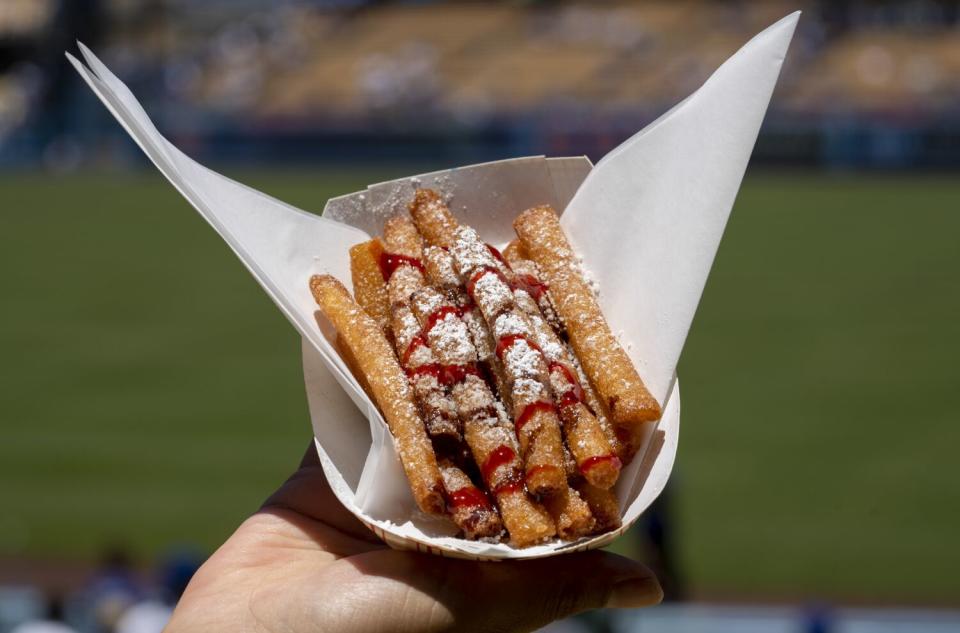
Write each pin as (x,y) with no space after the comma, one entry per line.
(303,563)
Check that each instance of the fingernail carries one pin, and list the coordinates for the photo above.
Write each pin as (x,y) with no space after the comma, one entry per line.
(635,593)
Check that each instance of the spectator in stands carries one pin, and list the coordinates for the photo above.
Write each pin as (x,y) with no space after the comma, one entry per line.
(303,563)
(152,615)
(52,623)
(114,587)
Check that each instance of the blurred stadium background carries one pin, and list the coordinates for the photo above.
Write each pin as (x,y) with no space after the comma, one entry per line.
(151,394)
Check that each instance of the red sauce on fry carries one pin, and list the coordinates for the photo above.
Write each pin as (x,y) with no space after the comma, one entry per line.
(416,343)
(536,470)
(445,374)
(453,374)
(431,369)
(530,410)
(497,255)
(575,393)
(438,315)
(389,262)
(595,460)
(533,286)
(469,497)
(513,485)
(501,455)
(480,273)
(506,341)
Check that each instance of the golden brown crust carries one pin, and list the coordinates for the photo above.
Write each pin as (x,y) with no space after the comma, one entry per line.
(400,236)
(603,505)
(609,369)
(529,523)
(433,218)
(347,355)
(392,392)
(571,514)
(369,288)
(514,252)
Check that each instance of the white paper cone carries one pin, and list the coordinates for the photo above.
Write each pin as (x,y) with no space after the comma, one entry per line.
(647,221)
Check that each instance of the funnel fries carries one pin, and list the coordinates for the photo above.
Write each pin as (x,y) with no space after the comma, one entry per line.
(510,364)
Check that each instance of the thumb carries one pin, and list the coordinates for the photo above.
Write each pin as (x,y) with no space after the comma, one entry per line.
(508,596)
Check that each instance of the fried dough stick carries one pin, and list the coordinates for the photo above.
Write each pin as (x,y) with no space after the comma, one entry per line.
(375,359)
(534,412)
(571,514)
(592,445)
(526,277)
(626,400)
(369,287)
(488,435)
(603,506)
(468,505)
(438,411)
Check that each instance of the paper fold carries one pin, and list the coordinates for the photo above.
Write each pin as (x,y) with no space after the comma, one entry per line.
(647,221)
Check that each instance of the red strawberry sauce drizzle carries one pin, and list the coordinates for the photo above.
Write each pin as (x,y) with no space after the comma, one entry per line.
(540,468)
(575,393)
(469,497)
(389,262)
(446,374)
(533,286)
(501,455)
(530,410)
(595,460)
(438,315)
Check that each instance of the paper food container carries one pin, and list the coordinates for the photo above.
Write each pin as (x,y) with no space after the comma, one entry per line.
(647,221)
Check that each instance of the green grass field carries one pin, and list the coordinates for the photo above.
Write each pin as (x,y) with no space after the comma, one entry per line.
(151,393)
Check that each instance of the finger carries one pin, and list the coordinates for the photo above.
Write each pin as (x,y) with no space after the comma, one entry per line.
(428,593)
(307,492)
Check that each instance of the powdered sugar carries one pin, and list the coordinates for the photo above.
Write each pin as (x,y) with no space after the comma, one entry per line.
(451,341)
(470,253)
(492,294)
(510,323)
(523,361)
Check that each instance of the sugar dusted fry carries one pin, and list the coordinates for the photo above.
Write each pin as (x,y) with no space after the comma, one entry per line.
(347,355)
(369,287)
(392,392)
(433,218)
(584,433)
(494,448)
(468,505)
(603,505)
(487,429)
(571,514)
(420,364)
(514,251)
(527,282)
(626,400)
(402,275)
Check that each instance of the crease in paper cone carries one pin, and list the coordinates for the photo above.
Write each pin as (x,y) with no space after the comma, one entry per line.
(666,193)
